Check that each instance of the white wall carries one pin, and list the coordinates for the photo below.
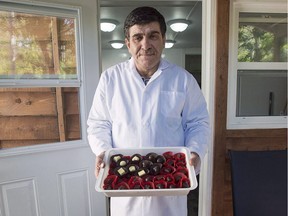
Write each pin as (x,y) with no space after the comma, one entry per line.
(111,57)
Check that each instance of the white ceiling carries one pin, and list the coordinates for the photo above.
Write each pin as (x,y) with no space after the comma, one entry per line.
(191,10)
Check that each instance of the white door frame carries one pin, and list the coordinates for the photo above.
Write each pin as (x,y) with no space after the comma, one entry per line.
(208,87)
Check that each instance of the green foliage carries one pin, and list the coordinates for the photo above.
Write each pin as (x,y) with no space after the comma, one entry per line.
(259,44)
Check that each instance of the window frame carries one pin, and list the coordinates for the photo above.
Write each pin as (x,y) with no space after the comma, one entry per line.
(48,10)
(58,10)
(249,122)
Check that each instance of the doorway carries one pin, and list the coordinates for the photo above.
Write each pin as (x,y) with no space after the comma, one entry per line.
(186,52)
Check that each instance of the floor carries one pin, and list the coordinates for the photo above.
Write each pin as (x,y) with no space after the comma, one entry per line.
(192,201)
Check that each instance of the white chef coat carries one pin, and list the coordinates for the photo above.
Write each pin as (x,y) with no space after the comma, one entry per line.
(169,111)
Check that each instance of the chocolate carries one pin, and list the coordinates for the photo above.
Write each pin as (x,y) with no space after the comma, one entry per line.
(168,154)
(148,185)
(185,184)
(145,164)
(122,162)
(159,178)
(116,157)
(120,171)
(132,168)
(160,159)
(136,158)
(136,185)
(151,156)
(142,172)
(155,169)
(148,178)
(171,185)
(167,170)
(169,178)
(160,184)
(121,186)
(150,171)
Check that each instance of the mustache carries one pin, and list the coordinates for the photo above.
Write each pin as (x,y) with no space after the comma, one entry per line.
(147,52)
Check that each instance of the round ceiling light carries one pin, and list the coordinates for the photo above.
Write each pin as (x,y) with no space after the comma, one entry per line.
(169,43)
(179,25)
(117,44)
(108,25)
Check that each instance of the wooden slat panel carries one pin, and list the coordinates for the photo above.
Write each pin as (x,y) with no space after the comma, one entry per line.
(71,102)
(70,89)
(61,123)
(259,143)
(73,127)
(257,133)
(27,103)
(23,128)
(221,80)
(228,208)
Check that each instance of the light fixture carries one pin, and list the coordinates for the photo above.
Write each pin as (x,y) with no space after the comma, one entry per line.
(108,25)
(117,44)
(179,25)
(169,43)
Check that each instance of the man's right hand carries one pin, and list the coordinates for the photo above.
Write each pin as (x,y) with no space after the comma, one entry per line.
(99,163)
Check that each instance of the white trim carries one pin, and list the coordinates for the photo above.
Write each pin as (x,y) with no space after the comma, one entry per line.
(209,12)
(39,8)
(38,83)
(261,66)
(260,6)
(261,20)
(258,122)
(42,148)
(234,122)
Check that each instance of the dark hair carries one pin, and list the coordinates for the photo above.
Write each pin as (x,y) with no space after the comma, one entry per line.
(144,15)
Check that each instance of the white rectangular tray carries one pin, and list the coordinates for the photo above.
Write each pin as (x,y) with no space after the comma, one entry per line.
(146,192)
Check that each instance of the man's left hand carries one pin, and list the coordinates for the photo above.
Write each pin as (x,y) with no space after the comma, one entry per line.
(195,159)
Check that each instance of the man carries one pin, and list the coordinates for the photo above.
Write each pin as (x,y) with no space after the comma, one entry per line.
(148,102)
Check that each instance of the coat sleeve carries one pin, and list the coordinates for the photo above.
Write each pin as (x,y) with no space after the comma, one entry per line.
(195,121)
(99,121)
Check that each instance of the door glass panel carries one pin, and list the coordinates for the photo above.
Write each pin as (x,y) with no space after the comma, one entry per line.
(30,116)
(37,47)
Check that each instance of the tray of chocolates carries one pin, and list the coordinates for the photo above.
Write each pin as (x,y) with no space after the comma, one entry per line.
(157,171)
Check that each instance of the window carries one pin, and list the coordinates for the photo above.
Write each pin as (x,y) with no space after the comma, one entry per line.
(40,79)
(257,96)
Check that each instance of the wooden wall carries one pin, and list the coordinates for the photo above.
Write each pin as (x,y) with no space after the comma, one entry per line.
(232,139)
(30,116)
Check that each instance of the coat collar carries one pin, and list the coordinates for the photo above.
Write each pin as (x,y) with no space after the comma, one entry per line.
(162,66)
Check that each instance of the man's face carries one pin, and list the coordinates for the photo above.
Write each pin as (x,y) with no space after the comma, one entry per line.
(145,44)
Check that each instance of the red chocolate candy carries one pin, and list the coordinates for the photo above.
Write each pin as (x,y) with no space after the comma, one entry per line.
(121,186)
(148,185)
(160,184)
